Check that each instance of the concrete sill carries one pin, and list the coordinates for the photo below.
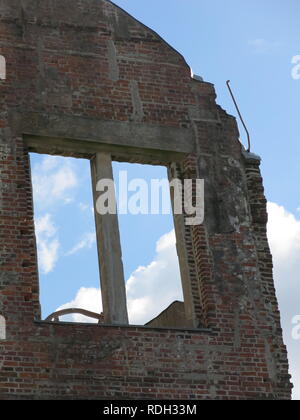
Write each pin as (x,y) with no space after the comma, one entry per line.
(133,327)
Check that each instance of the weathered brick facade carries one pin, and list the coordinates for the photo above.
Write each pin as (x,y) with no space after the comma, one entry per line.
(83,75)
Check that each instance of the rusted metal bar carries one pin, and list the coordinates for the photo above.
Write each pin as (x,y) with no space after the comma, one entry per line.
(240,115)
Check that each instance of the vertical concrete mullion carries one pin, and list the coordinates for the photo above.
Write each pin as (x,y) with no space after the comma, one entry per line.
(179,225)
(109,250)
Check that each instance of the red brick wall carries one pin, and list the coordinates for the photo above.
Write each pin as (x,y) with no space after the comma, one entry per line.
(89,59)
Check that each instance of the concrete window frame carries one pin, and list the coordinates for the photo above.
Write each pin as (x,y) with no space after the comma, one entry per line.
(107,229)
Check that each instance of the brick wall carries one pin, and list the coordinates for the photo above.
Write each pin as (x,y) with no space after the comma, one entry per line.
(76,61)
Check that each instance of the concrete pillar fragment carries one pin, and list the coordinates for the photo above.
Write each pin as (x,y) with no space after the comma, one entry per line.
(109,249)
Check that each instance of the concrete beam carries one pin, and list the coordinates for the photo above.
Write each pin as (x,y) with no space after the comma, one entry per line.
(114,133)
(87,149)
(109,250)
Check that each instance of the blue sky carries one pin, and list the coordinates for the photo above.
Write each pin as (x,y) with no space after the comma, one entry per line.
(252,44)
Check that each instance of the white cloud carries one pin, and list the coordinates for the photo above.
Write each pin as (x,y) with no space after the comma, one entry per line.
(87,241)
(284,234)
(261,45)
(86,298)
(284,238)
(152,289)
(47,243)
(53,180)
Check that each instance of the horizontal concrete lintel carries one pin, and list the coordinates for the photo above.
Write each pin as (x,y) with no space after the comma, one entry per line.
(114,133)
(86,150)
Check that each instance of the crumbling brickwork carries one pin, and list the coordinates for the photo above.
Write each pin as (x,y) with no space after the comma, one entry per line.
(84,76)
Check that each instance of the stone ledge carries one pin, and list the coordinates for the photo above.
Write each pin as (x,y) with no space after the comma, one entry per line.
(128,327)
(251,156)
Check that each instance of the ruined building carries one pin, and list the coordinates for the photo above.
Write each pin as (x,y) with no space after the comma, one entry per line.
(85,79)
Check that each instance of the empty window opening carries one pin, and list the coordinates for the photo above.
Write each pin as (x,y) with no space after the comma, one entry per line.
(153,282)
(66,237)
(135,246)
(2,328)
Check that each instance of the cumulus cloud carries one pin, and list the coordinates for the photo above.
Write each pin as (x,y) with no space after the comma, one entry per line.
(284,235)
(87,241)
(150,289)
(86,298)
(153,288)
(284,238)
(53,179)
(47,243)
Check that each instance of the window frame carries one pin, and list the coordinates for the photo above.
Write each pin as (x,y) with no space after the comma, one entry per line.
(174,161)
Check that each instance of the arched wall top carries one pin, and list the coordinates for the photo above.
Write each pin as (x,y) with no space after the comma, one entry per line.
(149,29)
